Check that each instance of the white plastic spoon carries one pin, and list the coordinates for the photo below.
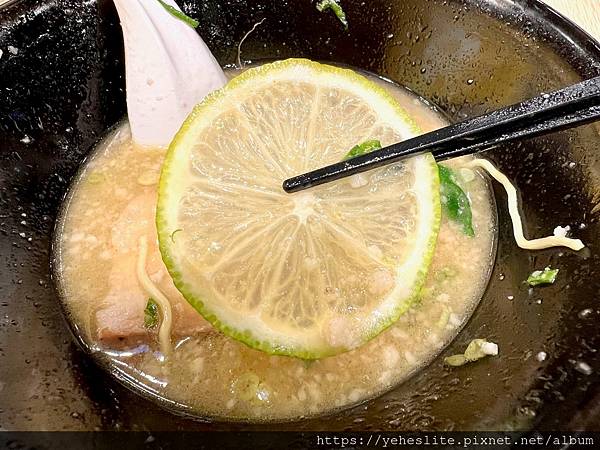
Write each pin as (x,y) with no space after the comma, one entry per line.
(168,69)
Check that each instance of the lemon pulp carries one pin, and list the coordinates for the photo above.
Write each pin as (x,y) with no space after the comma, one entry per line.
(309,274)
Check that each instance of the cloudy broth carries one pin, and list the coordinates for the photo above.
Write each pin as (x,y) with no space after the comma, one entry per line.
(112,204)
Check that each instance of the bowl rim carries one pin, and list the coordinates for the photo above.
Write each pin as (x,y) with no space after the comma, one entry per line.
(565,32)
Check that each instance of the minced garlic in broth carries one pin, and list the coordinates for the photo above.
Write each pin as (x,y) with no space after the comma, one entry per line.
(209,374)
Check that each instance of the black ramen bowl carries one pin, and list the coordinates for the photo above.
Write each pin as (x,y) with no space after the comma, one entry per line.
(62,88)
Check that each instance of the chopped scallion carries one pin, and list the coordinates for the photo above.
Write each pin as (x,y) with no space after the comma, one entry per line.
(335,6)
(179,15)
(151,314)
(477,349)
(546,276)
(362,149)
(455,202)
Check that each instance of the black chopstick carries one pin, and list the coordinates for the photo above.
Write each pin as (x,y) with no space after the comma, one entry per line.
(566,108)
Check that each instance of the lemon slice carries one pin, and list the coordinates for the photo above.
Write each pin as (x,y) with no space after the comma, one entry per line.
(309,274)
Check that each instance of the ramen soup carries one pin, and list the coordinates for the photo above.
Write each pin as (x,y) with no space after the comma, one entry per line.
(112,205)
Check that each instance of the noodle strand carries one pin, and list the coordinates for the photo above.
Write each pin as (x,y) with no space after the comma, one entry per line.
(515,215)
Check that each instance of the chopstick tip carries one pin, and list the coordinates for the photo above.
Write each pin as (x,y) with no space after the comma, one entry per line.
(289,186)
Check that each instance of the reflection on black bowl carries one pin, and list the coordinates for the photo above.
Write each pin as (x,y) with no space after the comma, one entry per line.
(62,88)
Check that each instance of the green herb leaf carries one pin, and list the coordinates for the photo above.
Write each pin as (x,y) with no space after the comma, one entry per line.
(179,15)
(546,276)
(151,314)
(361,149)
(334,5)
(477,349)
(454,201)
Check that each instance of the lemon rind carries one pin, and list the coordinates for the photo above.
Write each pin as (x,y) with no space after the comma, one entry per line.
(164,205)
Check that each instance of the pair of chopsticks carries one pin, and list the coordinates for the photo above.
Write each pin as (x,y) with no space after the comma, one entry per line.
(566,108)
